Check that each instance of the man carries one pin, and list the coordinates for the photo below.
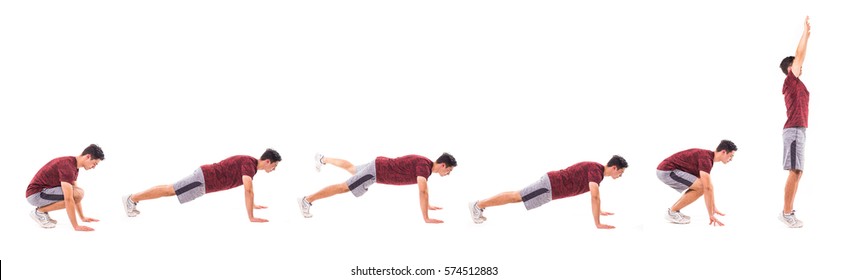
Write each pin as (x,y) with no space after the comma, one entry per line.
(54,187)
(405,170)
(794,131)
(688,173)
(226,174)
(574,180)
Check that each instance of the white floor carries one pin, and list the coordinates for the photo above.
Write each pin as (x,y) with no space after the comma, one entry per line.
(513,90)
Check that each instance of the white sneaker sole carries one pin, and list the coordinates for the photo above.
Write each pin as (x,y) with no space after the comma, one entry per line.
(126,207)
(300,204)
(784,221)
(35,218)
(683,222)
(473,216)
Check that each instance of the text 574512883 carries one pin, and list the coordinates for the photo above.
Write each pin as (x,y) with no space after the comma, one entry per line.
(470,270)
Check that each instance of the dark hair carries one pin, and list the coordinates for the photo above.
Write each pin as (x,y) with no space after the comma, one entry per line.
(727,146)
(446,159)
(94,151)
(271,155)
(617,161)
(786,62)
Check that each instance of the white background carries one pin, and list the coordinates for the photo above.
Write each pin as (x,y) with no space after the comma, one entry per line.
(513,89)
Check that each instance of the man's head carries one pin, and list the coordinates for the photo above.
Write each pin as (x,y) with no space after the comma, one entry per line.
(617,164)
(91,156)
(444,164)
(725,151)
(269,160)
(786,64)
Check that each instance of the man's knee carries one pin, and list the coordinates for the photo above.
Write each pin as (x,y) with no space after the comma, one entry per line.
(697,186)
(78,194)
(342,188)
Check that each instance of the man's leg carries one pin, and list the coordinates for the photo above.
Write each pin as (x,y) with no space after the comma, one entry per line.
(52,207)
(327,192)
(533,196)
(363,177)
(132,200)
(500,199)
(794,145)
(340,163)
(791,186)
(47,200)
(685,183)
(692,194)
(153,193)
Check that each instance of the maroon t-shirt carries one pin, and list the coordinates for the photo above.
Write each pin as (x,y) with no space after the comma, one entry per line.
(691,161)
(402,170)
(796,101)
(227,174)
(574,180)
(53,173)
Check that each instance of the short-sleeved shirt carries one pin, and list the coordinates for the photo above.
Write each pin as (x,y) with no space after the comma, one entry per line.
(402,170)
(692,161)
(52,174)
(796,101)
(227,174)
(574,180)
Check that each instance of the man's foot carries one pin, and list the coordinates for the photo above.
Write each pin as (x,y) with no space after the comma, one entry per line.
(676,217)
(41,218)
(476,212)
(304,207)
(129,206)
(319,161)
(50,219)
(790,220)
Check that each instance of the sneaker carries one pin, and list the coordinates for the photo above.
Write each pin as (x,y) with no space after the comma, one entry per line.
(476,213)
(790,220)
(129,206)
(50,219)
(41,218)
(304,207)
(319,161)
(676,217)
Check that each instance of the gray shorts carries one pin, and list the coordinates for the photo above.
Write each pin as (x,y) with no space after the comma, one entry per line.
(364,178)
(46,197)
(677,179)
(537,194)
(793,148)
(190,187)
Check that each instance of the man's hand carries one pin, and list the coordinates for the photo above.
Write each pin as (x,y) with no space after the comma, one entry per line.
(83,228)
(714,221)
(259,207)
(89,219)
(434,207)
(807,26)
(258,220)
(433,221)
(604,213)
(604,226)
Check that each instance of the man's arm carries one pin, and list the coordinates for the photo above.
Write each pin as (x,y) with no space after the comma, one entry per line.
(800,56)
(70,205)
(424,195)
(79,206)
(595,205)
(709,197)
(248,199)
